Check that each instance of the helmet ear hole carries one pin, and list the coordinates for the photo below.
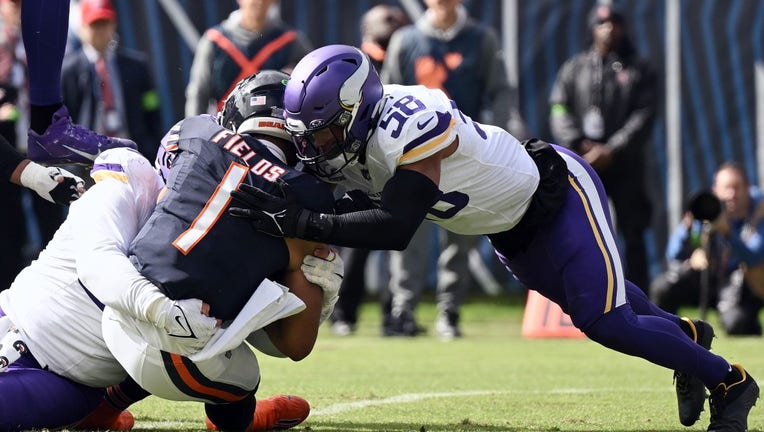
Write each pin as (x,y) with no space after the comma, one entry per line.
(344,119)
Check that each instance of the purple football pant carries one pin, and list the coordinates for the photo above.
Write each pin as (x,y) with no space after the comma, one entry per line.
(574,262)
(34,398)
(44,28)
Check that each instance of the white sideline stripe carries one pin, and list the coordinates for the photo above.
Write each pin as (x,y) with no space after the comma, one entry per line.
(404,398)
(413,397)
(169,424)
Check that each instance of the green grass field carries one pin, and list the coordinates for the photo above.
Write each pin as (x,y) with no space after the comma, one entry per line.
(490,380)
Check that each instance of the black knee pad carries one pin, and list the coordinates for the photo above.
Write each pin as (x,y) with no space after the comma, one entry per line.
(231,417)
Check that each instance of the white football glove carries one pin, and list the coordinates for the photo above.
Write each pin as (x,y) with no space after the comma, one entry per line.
(52,183)
(184,321)
(326,273)
(11,345)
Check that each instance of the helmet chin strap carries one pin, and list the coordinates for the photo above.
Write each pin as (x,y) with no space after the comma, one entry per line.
(330,170)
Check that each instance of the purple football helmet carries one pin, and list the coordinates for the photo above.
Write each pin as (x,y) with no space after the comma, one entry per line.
(336,88)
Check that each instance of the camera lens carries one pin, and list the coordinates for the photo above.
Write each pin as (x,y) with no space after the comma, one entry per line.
(705,205)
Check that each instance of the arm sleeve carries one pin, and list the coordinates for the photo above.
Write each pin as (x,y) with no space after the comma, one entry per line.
(105,229)
(406,198)
(9,158)
(260,340)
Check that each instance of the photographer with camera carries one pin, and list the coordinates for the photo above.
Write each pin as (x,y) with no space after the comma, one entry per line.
(718,247)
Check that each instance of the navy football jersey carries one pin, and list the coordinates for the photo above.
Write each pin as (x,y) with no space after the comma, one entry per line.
(191,247)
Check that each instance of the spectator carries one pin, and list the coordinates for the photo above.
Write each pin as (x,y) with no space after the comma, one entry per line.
(445,49)
(377,25)
(602,107)
(723,255)
(107,87)
(253,38)
(52,138)
(13,71)
(12,80)
(17,248)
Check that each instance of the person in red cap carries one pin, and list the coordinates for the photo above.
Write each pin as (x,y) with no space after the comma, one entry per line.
(53,138)
(51,183)
(94,10)
(118,98)
(14,119)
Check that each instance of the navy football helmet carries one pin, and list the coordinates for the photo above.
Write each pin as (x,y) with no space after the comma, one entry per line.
(256,105)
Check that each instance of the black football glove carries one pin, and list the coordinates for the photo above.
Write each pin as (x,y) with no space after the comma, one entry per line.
(279,216)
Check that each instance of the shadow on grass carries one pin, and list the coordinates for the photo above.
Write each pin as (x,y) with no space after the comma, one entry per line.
(409,427)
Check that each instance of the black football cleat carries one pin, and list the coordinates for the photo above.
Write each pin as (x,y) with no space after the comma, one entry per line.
(690,390)
(732,400)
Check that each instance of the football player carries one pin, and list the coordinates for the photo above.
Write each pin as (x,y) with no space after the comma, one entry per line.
(53,314)
(191,247)
(77,274)
(54,184)
(542,207)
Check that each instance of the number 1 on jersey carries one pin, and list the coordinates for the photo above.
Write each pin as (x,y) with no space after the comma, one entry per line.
(212,210)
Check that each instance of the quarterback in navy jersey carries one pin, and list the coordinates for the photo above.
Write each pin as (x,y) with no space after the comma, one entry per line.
(214,256)
(190,244)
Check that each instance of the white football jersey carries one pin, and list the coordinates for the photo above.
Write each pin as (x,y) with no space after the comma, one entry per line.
(486,184)
(57,319)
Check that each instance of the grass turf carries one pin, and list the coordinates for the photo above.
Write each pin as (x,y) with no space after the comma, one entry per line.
(490,380)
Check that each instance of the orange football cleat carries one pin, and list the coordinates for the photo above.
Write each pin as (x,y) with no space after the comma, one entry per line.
(106,417)
(279,412)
